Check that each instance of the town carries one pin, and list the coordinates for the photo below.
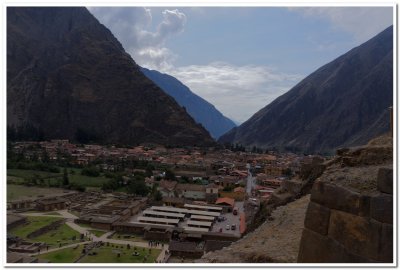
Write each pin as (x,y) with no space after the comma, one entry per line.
(86,203)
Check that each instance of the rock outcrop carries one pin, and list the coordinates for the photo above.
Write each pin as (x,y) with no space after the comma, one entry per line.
(350,215)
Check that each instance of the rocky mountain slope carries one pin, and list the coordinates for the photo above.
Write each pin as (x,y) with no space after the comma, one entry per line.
(201,110)
(69,77)
(344,103)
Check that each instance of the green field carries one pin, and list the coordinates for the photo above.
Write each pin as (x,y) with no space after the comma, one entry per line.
(19,192)
(17,176)
(66,255)
(108,255)
(35,223)
(63,234)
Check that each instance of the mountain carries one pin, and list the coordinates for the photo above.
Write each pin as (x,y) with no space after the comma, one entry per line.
(69,77)
(201,110)
(344,103)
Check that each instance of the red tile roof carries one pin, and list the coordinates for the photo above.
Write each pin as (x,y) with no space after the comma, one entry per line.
(226,200)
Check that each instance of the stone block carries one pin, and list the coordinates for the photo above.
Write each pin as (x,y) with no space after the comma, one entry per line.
(385,180)
(385,252)
(292,186)
(381,208)
(317,218)
(351,231)
(280,199)
(316,248)
(340,198)
(362,237)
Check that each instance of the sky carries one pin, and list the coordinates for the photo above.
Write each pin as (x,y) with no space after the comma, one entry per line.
(241,58)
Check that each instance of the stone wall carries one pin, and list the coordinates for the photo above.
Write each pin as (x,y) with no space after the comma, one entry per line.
(346,226)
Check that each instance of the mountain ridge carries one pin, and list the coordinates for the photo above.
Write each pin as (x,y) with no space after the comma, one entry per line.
(200,109)
(334,106)
(68,75)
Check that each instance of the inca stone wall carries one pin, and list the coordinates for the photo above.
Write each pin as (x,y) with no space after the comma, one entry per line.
(350,215)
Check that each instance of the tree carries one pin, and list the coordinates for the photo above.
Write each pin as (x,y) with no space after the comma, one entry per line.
(169,175)
(138,188)
(90,171)
(149,170)
(157,196)
(65,178)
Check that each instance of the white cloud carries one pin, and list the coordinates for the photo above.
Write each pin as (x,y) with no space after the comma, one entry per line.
(130,26)
(237,91)
(361,22)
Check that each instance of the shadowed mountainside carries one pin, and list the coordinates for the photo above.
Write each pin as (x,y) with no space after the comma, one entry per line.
(344,103)
(69,77)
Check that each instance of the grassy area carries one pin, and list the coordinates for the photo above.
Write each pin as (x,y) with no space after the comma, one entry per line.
(108,254)
(18,176)
(64,234)
(53,213)
(34,224)
(19,192)
(66,255)
(97,232)
(87,181)
(129,237)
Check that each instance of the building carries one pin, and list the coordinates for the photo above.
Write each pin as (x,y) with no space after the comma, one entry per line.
(212,193)
(51,204)
(227,204)
(191,191)
(167,188)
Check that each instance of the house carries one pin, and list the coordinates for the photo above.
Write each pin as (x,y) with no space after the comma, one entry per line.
(191,191)
(239,190)
(212,192)
(227,204)
(167,188)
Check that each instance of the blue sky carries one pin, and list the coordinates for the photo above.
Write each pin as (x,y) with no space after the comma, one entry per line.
(240,59)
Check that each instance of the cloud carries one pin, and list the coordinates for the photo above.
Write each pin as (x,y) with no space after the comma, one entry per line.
(131,26)
(237,91)
(361,22)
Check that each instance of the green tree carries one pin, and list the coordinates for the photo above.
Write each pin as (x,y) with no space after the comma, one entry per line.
(169,175)
(65,178)
(137,187)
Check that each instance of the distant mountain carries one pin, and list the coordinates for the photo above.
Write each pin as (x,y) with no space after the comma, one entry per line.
(69,77)
(343,103)
(201,110)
